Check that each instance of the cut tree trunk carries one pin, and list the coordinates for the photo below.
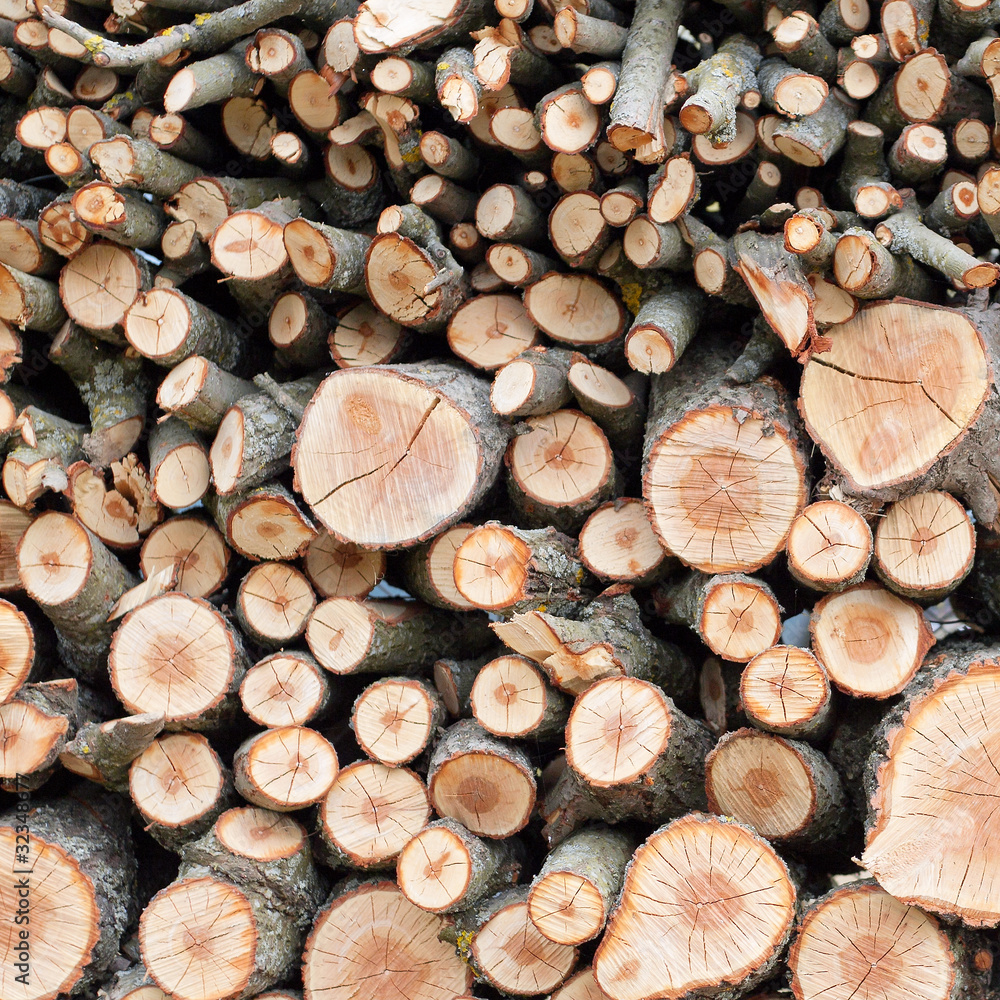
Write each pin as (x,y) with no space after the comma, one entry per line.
(54,856)
(445,868)
(912,445)
(348,635)
(617,543)
(368,936)
(785,690)
(434,436)
(577,885)
(194,547)
(723,487)
(737,616)
(510,698)
(395,719)
(688,860)
(786,790)
(75,580)
(480,781)
(288,688)
(273,604)
(104,751)
(870,641)
(200,392)
(829,546)
(179,464)
(858,933)
(370,813)
(180,786)
(263,523)
(924,546)
(177,656)
(507,570)
(284,769)
(532,384)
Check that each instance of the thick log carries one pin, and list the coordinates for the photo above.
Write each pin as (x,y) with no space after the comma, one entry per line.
(687,860)
(785,690)
(396,718)
(285,768)
(273,603)
(435,438)
(341,569)
(370,813)
(287,688)
(194,547)
(263,523)
(510,698)
(829,546)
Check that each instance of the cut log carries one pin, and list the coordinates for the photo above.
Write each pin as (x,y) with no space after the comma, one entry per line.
(17,650)
(55,856)
(75,580)
(284,769)
(785,690)
(326,257)
(609,641)
(180,786)
(560,470)
(340,569)
(718,84)
(168,327)
(284,689)
(489,331)
(273,604)
(480,781)
(912,445)
(573,892)
(29,302)
(951,700)
(711,471)
(348,635)
(372,938)
(575,309)
(263,523)
(200,393)
(632,754)
(568,122)
(119,516)
(453,680)
(99,284)
(177,656)
(737,616)
(863,267)
(508,570)
(786,790)
(676,876)
(829,546)
(395,719)
(664,326)
(50,447)
(179,464)
(870,641)
(364,336)
(858,934)
(507,950)
(637,109)
(510,698)
(445,868)
(617,543)
(370,813)
(194,547)
(38,722)
(255,438)
(435,438)
(924,546)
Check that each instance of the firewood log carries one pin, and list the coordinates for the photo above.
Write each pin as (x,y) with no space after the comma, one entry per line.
(480,781)
(687,858)
(441,434)
(489,331)
(617,544)
(846,929)
(370,813)
(104,751)
(180,787)
(38,722)
(284,768)
(916,856)
(65,858)
(200,392)
(340,569)
(178,656)
(510,698)
(757,452)
(194,547)
(786,690)
(273,603)
(75,580)
(396,718)
(445,868)
(264,522)
(347,949)
(573,893)
(870,641)
(287,688)
(829,546)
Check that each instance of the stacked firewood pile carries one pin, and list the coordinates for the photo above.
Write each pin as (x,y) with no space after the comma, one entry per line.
(474,479)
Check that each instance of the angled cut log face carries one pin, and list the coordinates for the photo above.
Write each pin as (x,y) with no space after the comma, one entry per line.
(898,388)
